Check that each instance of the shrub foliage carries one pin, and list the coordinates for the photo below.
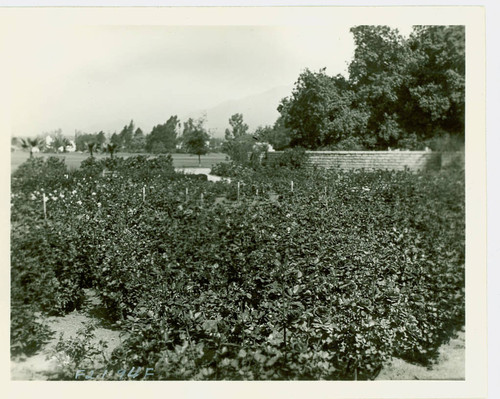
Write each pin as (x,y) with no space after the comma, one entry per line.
(327,281)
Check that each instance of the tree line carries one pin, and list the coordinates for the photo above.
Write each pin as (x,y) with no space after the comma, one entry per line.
(401,92)
(406,93)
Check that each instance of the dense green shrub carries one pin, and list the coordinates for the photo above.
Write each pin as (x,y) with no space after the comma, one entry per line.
(46,269)
(292,158)
(327,281)
(227,169)
(51,172)
(91,167)
(27,335)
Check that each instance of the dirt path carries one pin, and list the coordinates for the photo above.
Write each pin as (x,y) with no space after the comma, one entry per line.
(43,365)
(449,366)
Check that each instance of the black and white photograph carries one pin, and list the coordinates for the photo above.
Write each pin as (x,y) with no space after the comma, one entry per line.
(247,195)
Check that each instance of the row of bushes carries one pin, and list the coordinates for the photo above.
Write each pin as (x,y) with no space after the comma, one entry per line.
(293,159)
(325,282)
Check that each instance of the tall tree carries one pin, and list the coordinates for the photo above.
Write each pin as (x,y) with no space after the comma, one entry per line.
(277,135)
(195,138)
(377,74)
(238,127)
(400,93)
(238,142)
(126,136)
(163,137)
(435,99)
(320,112)
(138,143)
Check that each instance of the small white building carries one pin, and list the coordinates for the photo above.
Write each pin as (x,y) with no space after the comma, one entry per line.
(48,141)
(266,147)
(71,147)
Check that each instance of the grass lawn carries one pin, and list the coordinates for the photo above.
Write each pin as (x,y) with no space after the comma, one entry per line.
(73,160)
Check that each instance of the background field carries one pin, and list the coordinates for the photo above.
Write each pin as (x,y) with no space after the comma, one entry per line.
(73,160)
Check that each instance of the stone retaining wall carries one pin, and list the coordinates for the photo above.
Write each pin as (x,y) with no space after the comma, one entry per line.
(370,160)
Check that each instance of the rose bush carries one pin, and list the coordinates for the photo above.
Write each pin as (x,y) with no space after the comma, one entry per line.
(327,281)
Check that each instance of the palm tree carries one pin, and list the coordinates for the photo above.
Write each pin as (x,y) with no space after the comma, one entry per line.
(30,144)
(110,148)
(92,146)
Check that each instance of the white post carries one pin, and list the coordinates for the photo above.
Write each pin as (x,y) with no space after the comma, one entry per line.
(187,193)
(44,206)
(292,186)
(238,195)
(143,193)
(201,199)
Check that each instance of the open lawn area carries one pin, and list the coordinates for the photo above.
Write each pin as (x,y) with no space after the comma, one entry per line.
(73,160)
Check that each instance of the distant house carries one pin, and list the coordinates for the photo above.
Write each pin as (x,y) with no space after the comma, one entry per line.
(71,147)
(48,141)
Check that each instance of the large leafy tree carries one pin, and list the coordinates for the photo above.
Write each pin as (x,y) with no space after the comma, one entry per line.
(321,111)
(377,74)
(277,135)
(163,137)
(195,138)
(400,93)
(436,96)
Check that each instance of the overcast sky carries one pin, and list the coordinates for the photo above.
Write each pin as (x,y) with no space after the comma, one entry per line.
(99,78)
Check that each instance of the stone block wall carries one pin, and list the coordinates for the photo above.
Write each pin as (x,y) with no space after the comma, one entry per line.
(372,160)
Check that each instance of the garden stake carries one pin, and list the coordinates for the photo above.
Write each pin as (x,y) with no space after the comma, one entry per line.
(44,206)
(187,192)
(238,194)
(201,199)
(355,373)
(292,186)
(143,193)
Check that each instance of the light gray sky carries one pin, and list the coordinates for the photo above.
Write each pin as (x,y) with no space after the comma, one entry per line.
(99,78)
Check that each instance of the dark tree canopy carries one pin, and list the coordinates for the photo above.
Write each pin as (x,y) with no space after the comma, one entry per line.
(163,137)
(277,135)
(195,137)
(401,92)
(126,136)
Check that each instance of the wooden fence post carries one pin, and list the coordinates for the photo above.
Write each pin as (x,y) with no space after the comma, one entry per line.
(44,206)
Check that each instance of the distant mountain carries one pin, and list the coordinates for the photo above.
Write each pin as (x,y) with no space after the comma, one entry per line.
(258,110)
